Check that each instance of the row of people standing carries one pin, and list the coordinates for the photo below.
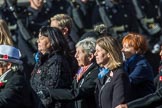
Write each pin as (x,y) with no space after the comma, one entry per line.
(46,79)
(107,58)
(115,83)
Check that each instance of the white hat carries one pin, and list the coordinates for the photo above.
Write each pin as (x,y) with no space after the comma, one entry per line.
(10,54)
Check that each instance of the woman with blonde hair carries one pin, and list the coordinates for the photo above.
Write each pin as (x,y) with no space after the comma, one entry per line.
(5,35)
(113,84)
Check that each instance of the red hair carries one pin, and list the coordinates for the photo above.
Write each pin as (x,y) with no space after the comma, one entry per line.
(137,41)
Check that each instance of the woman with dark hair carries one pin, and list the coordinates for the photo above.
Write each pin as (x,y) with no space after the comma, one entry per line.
(52,69)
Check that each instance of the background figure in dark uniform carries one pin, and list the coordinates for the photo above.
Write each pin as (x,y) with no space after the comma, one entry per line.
(7,15)
(87,7)
(57,6)
(83,13)
(147,14)
(37,16)
(121,17)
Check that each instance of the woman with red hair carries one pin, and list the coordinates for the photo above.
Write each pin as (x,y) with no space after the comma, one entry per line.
(136,65)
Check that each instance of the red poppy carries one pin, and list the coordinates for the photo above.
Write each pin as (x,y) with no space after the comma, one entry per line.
(2,84)
(5,57)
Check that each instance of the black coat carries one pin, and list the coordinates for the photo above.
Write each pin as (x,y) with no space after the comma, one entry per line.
(15,93)
(140,75)
(153,99)
(112,91)
(82,92)
(149,101)
(53,71)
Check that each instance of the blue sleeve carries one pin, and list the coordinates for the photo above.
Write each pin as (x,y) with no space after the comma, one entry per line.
(140,73)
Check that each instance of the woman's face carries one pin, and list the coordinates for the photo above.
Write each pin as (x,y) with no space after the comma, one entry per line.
(102,57)
(44,44)
(128,50)
(82,57)
(37,3)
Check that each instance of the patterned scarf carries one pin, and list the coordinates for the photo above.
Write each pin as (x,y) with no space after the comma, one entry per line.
(81,71)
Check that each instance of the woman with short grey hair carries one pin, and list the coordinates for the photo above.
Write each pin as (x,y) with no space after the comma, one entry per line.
(88,44)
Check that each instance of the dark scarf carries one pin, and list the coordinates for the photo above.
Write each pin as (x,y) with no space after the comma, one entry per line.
(129,61)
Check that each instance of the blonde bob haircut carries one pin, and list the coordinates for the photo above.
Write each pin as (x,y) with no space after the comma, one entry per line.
(137,41)
(113,48)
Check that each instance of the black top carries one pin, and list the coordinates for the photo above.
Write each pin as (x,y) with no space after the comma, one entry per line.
(112,91)
(82,91)
(15,93)
(53,71)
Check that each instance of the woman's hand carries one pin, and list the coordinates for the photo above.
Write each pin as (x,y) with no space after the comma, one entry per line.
(122,106)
